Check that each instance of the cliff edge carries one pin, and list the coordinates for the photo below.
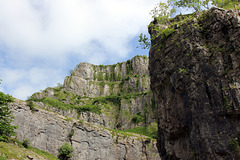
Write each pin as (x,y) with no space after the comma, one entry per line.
(195,79)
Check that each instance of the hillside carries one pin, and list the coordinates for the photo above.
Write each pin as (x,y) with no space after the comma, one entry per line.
(17,151)
(97,111)
(189,85)
(113,96)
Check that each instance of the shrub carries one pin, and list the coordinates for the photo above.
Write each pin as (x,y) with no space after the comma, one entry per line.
(25,143)
(31,105)
(65,151)
(137,118)
(152,130)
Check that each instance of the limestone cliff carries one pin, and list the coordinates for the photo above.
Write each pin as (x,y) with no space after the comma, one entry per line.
(86,79)
(49,131)
(91,110)
(113,96)
(195,79)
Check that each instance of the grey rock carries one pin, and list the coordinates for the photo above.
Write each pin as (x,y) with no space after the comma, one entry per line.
(195,81)
(48,131)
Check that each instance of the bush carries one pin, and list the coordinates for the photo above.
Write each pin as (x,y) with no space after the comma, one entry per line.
(25,143)
(137,118)
(65,151)
(31,105)
(152,130)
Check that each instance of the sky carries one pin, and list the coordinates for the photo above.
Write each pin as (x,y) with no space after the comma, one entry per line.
(42,40)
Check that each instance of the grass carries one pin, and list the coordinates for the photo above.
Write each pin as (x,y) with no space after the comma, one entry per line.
(51,102)
(17,151)
(150,131)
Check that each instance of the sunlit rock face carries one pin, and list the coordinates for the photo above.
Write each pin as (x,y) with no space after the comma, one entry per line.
(48,131)
(86,110)
(127,84)
(195,79)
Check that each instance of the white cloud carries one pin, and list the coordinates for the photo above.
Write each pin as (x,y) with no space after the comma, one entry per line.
(38,36)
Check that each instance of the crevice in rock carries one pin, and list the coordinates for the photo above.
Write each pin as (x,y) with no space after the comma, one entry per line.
(208,94)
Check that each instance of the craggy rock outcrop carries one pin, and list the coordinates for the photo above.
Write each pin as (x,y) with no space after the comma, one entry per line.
(84,80)
(49,131)
(195,79)
(126,84)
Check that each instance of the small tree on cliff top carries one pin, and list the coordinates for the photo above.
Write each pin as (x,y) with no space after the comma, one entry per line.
(163,11)
(6,130)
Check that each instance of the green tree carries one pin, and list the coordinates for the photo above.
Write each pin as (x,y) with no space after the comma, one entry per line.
(144,41)
(198,5)
(195,4)
(226,3)
(161,12)
(65,151)
(6,117)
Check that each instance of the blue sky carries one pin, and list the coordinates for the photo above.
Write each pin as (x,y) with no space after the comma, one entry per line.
(41,40)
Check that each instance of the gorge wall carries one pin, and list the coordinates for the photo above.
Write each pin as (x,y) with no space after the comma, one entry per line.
(48,131)
(195,79)
(89,109)
(113,96)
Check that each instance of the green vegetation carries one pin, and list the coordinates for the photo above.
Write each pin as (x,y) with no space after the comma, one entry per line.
(182,70)
(150,131)
(51,102)
(65,151)
(15,150)
(144,41)
(26,143)
(199,5)
(115,105)
(129,67)
(137,118)
(6,117)
(100,76)
(166,32)
(163,11)
(31,105)
(234,144)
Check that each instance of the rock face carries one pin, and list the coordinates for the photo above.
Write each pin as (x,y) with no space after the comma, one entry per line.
(85,79)
(121,91)
(86,111)
(49,131)
(195,79)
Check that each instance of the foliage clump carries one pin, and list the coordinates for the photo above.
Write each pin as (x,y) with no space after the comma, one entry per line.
(150,131)
(6,117)
(137,118)
(163,12)
(65,151)
(26,143)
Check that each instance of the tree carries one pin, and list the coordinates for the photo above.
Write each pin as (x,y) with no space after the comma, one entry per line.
(65,151)
(6,129)
(198,5)
(144,41)
(163,11)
